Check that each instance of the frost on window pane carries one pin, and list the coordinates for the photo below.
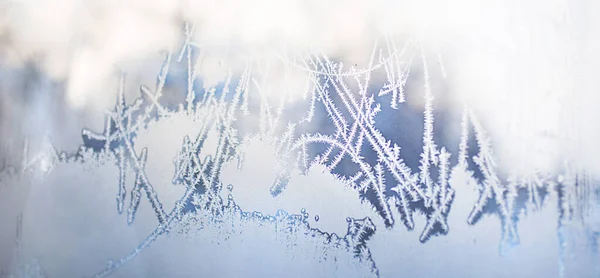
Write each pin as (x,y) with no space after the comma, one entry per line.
(297,165)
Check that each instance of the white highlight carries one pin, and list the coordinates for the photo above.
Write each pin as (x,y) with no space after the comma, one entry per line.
(526,67)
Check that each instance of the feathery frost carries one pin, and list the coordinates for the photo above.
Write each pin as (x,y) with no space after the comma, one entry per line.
(349,144)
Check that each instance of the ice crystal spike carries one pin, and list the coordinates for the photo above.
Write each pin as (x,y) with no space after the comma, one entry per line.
(120,156)
(136,193)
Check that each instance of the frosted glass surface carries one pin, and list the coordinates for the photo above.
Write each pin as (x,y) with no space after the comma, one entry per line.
(204,161)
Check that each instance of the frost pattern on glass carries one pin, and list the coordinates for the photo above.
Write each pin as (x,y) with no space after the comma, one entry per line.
(349,100)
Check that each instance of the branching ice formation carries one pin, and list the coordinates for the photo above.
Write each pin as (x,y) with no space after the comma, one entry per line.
(215,111)
(491,188)
(519,193)
(351,104)
(352,112)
